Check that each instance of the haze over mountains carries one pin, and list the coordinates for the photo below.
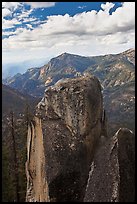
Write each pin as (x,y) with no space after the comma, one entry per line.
(112,70)
(115,72)
(10,69)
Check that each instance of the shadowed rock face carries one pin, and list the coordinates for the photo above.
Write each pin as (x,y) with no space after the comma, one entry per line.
(69,156)
(73,118)
(71,113)
(126,156)
(112,174)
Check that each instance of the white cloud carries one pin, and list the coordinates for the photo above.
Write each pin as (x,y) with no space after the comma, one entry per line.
(29,26)
(11,5)
(6,24)
(6,12)
(24,14)
(81,7)
(40,4)
(87,33)
(106,7)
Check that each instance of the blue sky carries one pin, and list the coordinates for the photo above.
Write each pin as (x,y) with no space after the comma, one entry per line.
(34,32)
(60,8)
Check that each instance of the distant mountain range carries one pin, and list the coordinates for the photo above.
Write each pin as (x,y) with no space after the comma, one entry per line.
(116,73)
(112,70)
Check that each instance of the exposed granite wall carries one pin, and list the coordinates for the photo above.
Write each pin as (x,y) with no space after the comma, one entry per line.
(70,158)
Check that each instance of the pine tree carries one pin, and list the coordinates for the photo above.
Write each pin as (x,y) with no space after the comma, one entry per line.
(15,162)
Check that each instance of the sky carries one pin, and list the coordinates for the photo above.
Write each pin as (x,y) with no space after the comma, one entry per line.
(35,32)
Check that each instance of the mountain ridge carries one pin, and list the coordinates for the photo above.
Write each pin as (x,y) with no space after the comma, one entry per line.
(66,65)
(116,73)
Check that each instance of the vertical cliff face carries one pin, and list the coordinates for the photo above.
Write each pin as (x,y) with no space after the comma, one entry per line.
(37,188)
(70,158)
(71,113)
